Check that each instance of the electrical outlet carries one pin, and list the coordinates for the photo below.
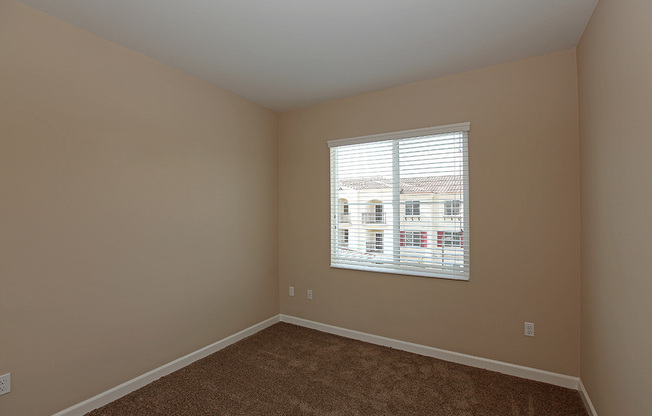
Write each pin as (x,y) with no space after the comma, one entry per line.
(309,294)
(291,290)
(5,383)
(529,329)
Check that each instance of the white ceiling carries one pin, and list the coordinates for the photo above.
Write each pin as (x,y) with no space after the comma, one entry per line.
(286,54)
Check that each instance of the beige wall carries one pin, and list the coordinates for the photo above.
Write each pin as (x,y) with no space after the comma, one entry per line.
(524,207)
(615,78)
(138,213)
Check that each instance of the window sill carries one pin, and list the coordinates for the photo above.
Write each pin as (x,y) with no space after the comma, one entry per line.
(464,277)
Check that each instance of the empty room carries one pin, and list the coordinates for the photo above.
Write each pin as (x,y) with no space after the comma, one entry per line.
(358,207)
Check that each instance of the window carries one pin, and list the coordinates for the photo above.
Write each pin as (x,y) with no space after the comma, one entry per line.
(414,238)
(375,242)
(452,208)
(450,238)
(412,208)
(344,211)
(404,187)
(374,214)
(379,215)
(344,238)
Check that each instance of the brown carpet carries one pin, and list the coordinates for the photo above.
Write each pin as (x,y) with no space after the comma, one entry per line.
(291,370)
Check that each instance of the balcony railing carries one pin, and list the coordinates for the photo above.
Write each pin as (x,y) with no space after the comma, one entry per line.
(373,218)
(345,218)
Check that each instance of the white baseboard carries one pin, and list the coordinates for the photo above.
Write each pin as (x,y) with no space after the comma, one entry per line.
(470,360)
(479,362)
(586,400)
(141,381)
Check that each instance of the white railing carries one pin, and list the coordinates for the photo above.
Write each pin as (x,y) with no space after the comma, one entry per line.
(373,218)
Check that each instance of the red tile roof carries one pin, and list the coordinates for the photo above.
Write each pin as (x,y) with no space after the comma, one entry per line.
(450,184)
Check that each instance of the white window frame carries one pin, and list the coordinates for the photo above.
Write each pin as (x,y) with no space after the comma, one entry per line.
(449,267)
(452,208)
(344,237)
(345,211)
(412,204)
(375,240)
(413,241)
(452,239)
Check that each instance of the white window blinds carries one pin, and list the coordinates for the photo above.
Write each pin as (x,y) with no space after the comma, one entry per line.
(402,201)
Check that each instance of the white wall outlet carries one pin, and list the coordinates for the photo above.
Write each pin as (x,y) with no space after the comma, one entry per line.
(5,383)
(309,294)
(529,329)
(291,290)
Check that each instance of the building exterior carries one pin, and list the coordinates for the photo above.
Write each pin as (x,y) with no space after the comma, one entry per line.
(427,226)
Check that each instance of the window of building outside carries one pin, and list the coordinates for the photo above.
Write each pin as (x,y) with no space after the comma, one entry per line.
(344,208)
(452,208)
(374,242)
(414,238)
(399,202)
(412,208)
(450,239)
(344,238)
(373,212)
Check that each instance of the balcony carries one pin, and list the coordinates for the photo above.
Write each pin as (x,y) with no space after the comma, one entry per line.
(345,218)
(373,218)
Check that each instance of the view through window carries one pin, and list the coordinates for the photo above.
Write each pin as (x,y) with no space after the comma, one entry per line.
(401,200)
